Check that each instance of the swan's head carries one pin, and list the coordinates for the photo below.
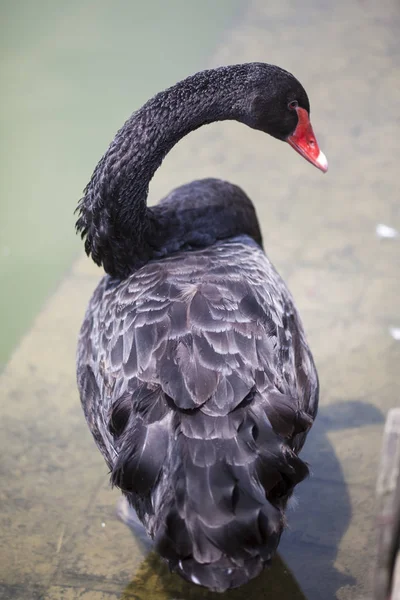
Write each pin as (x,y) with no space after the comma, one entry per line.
(279,106)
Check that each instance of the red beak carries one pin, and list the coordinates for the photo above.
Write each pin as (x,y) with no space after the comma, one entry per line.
(304,142)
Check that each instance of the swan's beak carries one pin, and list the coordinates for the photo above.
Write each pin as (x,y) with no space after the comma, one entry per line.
(304,142)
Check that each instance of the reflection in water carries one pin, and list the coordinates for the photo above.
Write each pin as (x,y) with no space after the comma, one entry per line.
(309,546)
(154,581)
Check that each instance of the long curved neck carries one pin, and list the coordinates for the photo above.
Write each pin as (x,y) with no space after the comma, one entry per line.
(113,214)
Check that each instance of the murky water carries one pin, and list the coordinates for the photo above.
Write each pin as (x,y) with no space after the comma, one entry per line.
(71,75)
(60,537)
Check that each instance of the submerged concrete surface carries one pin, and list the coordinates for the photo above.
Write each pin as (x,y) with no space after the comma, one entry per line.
(60,539)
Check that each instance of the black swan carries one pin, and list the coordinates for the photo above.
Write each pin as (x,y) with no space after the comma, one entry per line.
(194,372)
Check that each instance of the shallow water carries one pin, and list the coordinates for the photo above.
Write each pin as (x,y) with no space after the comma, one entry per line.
(60,537)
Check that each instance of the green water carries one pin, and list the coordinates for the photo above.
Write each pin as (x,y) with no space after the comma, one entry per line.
(71,72)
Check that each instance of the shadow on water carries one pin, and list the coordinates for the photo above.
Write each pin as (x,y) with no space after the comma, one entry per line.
(309,547)
(324,510)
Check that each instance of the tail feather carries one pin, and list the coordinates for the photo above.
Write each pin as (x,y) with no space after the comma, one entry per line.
(228,486)
(210,489)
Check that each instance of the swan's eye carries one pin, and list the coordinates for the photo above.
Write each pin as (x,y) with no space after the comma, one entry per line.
(293,105)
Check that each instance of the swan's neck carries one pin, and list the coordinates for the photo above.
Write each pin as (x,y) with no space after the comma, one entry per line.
(120,231)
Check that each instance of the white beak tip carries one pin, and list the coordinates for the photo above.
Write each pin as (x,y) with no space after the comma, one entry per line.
(322,162)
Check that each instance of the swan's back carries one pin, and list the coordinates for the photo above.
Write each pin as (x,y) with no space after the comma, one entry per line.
(199,388)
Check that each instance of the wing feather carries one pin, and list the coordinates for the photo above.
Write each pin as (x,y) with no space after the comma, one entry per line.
(199,388)
(206,328)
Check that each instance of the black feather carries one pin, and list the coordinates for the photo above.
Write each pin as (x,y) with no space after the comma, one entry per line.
(141,458)
(121,411)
